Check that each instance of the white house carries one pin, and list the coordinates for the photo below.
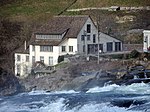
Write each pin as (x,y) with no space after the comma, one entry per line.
(22,67)
(146,40)
(65,35)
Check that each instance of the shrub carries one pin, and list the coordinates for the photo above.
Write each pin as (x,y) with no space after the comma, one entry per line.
(134,54)
(117,56)
(60,58)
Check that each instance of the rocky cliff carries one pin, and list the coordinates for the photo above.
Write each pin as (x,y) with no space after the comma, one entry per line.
(9,84)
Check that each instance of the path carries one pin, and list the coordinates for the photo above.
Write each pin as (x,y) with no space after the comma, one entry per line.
(110,8)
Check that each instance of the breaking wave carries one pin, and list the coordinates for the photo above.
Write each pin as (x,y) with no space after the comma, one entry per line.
(110,98)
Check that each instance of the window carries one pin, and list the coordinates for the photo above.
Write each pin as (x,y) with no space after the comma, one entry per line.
(46,48)
(70,48)
(145,38)
(33,48)
(27,58)
(42,59)
(101,47)
(82,38)
(63,48)
(18,58)
(94,38)
(50,60)
(18,69)
(33,59)
(117,46)
(88,37)
(109,46)
(88,28)
(39,36)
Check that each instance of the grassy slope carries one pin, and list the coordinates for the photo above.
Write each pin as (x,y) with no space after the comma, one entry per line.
(103,3)
(41,8)
(33,8)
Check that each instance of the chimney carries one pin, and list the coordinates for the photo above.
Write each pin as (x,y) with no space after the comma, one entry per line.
(25,45)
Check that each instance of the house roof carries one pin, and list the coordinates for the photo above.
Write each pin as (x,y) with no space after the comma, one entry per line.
(22,50)
(109,36)
(60,24)
(46,42)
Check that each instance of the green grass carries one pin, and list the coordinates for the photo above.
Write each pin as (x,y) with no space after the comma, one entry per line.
(34,8)
(61,65)
(104,3)
(37,8)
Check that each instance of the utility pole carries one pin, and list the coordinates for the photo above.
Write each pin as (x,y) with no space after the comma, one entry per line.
(85,42)
(98,50)
(98,40)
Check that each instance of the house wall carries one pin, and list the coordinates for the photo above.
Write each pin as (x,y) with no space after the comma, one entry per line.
(24,65)
(104,39)
(146,40)
(68,42)
(82,32)
(37,53)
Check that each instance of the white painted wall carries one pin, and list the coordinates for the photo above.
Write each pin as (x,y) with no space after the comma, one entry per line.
(146,42)
(22,64)
(37,53)
(68,42)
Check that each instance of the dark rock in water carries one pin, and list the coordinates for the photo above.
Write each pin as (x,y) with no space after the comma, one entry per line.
(140,80)
(9,84)
(135,74)
(97,79)
(127,103)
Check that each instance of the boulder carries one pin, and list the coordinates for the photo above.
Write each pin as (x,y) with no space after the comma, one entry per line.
(9,84)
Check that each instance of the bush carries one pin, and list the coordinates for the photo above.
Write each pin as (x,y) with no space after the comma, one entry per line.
(117,56)
(134,54)
(60,58)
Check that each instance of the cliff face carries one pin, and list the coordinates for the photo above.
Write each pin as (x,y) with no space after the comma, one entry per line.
(9,84)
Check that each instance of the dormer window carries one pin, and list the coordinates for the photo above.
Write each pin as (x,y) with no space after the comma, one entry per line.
(88,28)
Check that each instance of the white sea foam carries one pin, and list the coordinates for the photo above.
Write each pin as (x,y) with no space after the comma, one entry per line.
(59,106)
(135,88)
(54,92)
(103,89)
(65,92)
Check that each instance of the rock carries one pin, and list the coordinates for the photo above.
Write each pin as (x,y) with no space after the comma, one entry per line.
(9,84)
(98,78)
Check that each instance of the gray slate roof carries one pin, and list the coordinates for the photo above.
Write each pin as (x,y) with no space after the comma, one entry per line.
(60,24)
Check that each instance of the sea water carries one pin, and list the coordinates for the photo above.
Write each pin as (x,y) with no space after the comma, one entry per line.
(110,98)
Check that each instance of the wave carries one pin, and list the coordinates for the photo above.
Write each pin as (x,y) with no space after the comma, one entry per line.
(135,88)
(40,92)
(60,106)
(94,100)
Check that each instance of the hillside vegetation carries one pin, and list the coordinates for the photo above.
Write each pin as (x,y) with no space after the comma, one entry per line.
(22,9)
(105,3)
(33,8)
